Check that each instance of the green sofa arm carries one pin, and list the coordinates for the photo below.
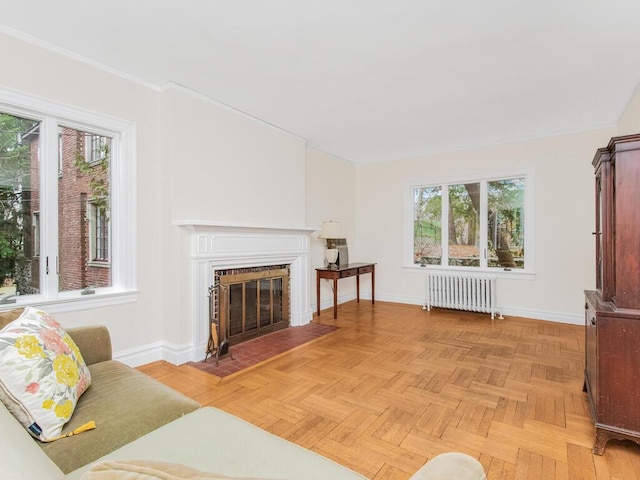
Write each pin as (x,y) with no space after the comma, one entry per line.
(93,341)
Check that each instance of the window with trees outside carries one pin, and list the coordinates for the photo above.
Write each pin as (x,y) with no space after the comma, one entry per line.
(472,224)
(66,195)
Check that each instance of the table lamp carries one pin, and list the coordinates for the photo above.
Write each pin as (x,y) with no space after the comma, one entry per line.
(330,231)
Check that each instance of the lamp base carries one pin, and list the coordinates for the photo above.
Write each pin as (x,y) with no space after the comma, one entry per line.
(332,257)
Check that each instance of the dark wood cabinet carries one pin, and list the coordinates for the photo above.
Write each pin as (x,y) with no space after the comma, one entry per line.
(612,311)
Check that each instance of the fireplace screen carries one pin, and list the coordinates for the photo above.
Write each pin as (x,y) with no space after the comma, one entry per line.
(254,303)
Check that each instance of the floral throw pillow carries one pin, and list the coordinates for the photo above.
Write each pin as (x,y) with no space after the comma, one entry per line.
(42,373)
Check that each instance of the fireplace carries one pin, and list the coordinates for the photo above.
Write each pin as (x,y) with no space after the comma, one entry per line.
(251,302)
(222,248)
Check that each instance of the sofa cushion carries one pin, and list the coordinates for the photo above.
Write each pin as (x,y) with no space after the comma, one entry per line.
(20,456)
(150,470)
(212,440)
(42,373)
(125,405)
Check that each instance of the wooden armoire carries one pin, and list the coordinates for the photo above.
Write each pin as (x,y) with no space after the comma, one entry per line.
(612,311)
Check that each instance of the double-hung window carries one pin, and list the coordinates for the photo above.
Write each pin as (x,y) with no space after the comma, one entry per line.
(99,147)
(99,234)
(67,190)
(476,224)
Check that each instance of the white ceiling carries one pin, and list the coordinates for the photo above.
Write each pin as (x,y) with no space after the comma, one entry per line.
(368,80)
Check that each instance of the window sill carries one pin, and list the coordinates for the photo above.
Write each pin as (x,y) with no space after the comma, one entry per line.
(99,264)
(520,274)
(73,301)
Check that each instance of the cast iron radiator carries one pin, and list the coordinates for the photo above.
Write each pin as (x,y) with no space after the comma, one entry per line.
(473,292)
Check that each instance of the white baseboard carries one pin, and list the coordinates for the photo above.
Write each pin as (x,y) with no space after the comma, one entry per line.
(137,356)
(153,352)
(559,317)
(328,302)
(304,318)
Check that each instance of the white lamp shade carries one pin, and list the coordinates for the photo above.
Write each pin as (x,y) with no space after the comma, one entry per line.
(329,229)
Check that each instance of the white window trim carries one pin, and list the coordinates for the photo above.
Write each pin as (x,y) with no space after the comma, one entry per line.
(124,287)
(529,225)
(36,234)
(60,152)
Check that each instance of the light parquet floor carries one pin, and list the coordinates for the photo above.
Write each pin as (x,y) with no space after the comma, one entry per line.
(395,386)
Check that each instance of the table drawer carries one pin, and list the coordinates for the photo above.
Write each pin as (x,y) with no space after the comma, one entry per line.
(349,273)
(366,269)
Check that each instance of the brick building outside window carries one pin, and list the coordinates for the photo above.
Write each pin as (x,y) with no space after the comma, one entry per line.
(83,209)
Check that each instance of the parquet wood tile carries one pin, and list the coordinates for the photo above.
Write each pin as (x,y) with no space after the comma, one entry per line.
(497,469)
(395,386)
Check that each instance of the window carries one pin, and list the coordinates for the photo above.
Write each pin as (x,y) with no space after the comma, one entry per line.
(99,236)
(99,148)
(473,224)
(67,181)
(505,223)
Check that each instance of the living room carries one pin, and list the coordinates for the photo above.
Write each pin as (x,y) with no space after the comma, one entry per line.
(201,162)
(187,184)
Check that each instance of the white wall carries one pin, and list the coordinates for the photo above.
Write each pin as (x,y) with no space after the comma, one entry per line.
(219,165)
(222,165)
(629,122)
(331,195)
(196,160)
(39,72)
(564,220)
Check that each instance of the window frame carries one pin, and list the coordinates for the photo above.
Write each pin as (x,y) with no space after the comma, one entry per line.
(36,234)
(60,153)
(482,178)
(122,223)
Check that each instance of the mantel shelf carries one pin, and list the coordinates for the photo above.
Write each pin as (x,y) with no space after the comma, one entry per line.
(204,224)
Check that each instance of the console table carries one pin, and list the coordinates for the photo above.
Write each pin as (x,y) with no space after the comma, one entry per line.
(345,271)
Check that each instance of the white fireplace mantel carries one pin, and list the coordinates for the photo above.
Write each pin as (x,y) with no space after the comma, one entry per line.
(220,246)
(193,224)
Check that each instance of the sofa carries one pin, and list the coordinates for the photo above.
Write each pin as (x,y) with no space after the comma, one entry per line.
(147,430)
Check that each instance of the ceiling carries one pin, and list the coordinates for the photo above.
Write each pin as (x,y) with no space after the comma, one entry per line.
(368,80)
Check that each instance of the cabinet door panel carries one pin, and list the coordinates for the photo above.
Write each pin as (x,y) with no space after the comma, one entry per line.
(618,353)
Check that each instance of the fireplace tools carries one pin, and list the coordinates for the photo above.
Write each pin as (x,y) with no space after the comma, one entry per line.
(218,344)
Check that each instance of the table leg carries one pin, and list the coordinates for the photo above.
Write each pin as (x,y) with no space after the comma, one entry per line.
(335,298)
(318,291)
(358,288)
(373,286)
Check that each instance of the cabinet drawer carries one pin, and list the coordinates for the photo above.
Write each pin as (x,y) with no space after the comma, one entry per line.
(349,273)
(367,269)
